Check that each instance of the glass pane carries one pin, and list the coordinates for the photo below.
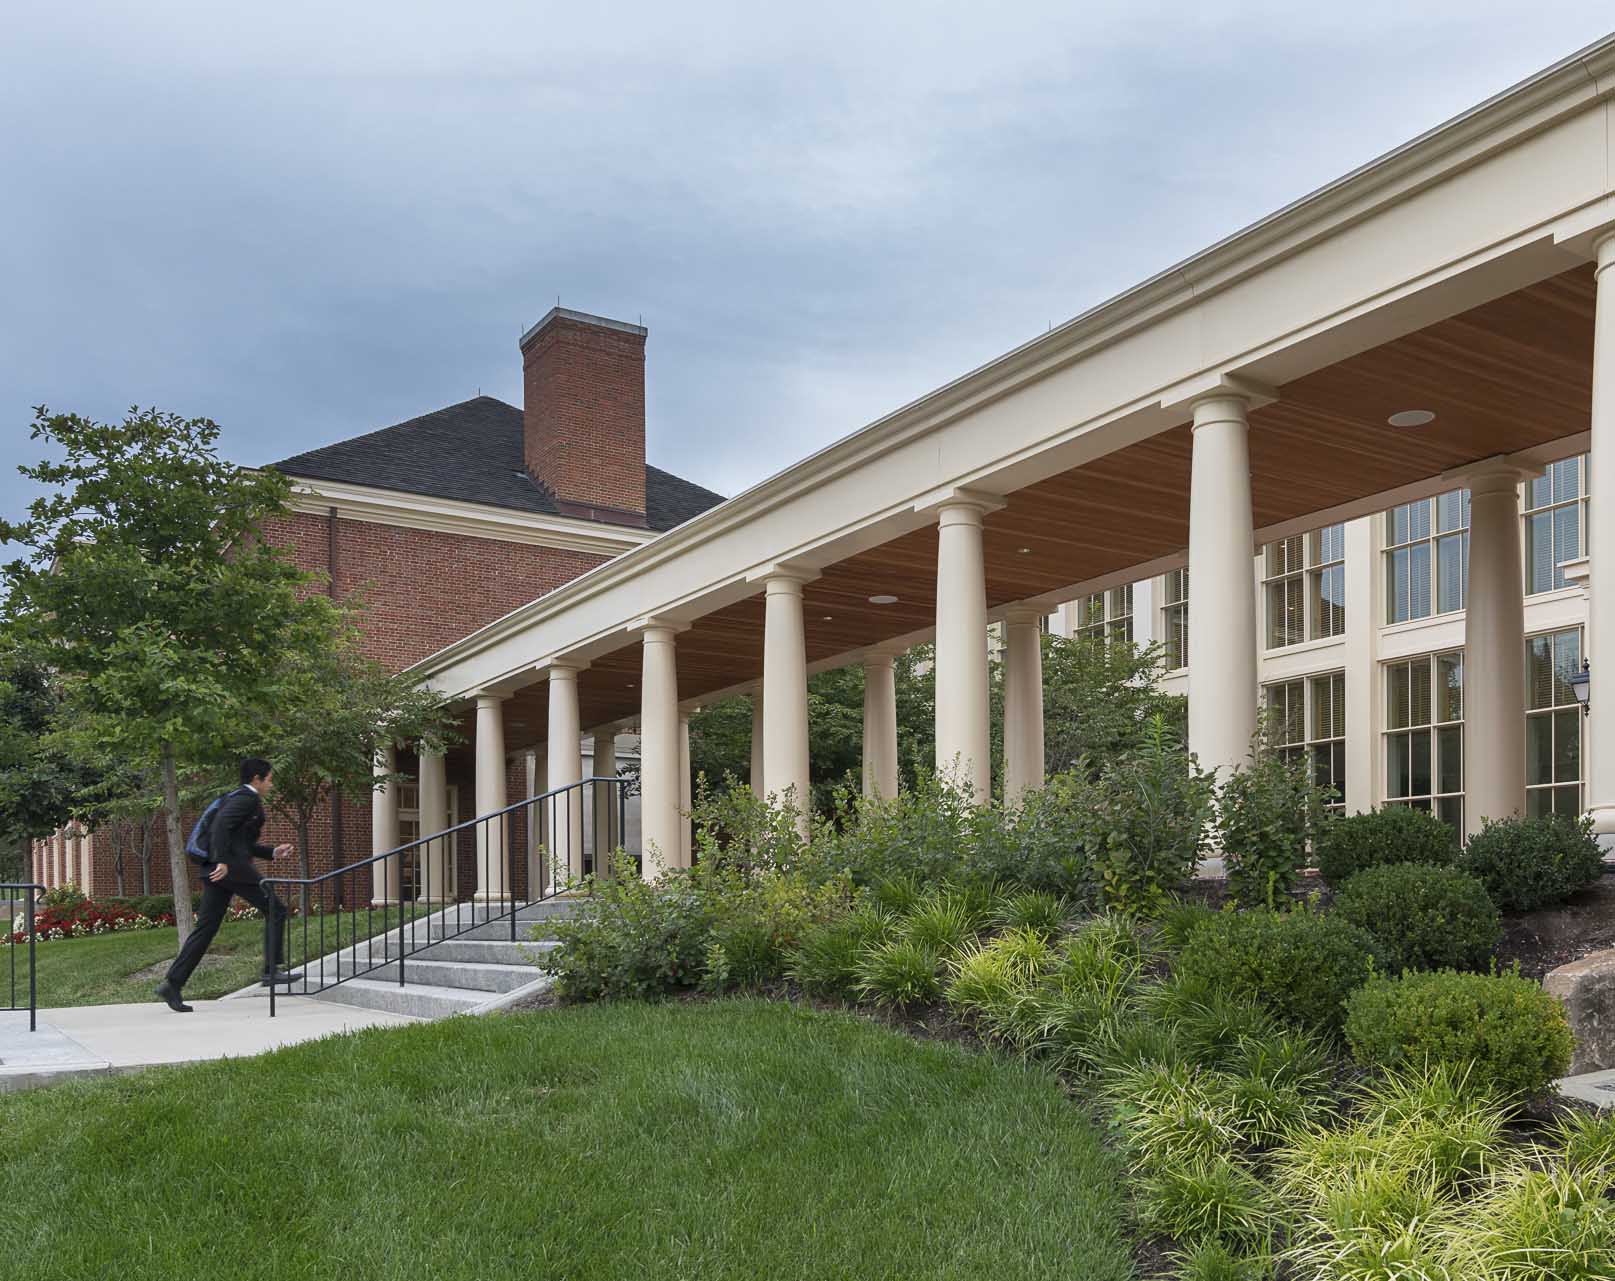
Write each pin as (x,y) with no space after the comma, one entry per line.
(1450,750)
(1399,702)
(1329,602)
(1396,765)
(1539,552)
(1538,492)
(1398,585)
(1566,539)
(1566,663)
(1538,750)
(1420,775)
(1419,600)
(1567,801)
(1539,802)
(1450,684)
(1419,518)
(1449,574)
(1539,672)
(1451,811)
(1419,692)
(1397,526)
(1566,478)
(1567,746)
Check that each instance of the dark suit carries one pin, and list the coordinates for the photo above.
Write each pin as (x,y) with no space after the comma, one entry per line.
(233,841)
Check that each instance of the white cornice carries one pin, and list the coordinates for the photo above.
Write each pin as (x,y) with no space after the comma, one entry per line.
(469,520)
(1572,85)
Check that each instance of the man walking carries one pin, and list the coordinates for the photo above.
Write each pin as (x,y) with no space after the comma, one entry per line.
(233,844)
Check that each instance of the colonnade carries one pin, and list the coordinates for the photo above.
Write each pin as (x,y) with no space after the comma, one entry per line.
(1223,689)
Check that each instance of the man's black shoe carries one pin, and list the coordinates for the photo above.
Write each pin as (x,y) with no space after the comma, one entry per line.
(282,976)
(170,995)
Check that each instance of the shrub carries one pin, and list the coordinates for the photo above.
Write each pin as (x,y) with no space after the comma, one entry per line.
(1266,813)
(918,835)
(1039,910)
(1527,863)
(1210,1261)
(825,959)
(755,921)
(1209,1198)
(900,972)
(1145,820)
(1424,918)
(64,895)
(943,921)
(631,938)
(1557,1223)
(989,982)
(1299,965)
(1038,844)
(1505,1030)
(1351,843)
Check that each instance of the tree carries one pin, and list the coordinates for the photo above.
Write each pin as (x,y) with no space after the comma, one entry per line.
(322,734)
(148,587)
(41,784)
(1100,698)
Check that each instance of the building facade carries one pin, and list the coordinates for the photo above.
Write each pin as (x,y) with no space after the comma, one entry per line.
(1360,631)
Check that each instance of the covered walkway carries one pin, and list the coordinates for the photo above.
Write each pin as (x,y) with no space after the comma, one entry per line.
(1442,317)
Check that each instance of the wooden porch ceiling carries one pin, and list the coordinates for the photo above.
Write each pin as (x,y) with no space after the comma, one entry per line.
(1509,375)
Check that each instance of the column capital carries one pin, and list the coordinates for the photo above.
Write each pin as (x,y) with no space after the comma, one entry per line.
(1220,407)
(1497,474)
(966,504)
(1020,614)
(564,671)
(488,697)
(782,572)
(1218,385)
(655,628)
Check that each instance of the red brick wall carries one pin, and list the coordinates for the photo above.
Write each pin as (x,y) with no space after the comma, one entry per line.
(584,416)
(424,589)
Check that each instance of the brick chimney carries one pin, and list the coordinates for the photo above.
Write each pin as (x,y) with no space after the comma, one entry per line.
(583,414)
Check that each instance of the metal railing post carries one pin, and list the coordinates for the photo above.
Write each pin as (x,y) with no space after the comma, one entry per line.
(33,988)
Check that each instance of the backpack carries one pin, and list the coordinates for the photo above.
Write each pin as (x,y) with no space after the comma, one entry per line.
(201,837)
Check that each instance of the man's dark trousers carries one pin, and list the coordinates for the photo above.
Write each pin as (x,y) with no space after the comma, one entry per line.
(216,897)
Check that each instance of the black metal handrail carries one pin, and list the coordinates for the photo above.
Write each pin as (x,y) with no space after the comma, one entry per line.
(7,890)
(504,887)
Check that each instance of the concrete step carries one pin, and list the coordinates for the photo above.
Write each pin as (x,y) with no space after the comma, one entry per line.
(525,930)
(419,1000)
(470,975)
(482,951)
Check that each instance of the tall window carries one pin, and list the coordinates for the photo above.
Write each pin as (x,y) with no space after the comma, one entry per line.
(1426,557)
(1175,618)
(1107,615)
(1306,720)
(1552,724)
(1305,587)
(1555,521)
(1424,734)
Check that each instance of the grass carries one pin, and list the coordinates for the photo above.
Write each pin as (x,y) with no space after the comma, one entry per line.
(739,1139)
(106,969)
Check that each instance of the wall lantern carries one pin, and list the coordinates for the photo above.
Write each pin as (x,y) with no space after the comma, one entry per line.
(1579,685)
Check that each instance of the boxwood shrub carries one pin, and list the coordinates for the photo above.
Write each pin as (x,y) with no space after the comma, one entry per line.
(1527,863)
(1351,843)
(1510,1035)
(1299,965)
(1423,917)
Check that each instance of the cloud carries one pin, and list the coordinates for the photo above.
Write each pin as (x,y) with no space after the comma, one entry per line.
(307,220)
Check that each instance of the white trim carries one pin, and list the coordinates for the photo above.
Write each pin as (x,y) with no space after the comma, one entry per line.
(468,520)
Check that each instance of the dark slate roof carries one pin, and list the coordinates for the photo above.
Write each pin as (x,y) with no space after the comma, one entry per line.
(473,452)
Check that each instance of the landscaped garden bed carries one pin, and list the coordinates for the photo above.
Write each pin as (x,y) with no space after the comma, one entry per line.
(1344,1086)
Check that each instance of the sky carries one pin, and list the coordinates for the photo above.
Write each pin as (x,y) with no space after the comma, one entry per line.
(308,220)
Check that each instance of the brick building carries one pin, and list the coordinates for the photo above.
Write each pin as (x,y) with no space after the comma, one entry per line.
(445,523)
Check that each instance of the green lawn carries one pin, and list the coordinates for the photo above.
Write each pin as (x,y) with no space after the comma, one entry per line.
(107,968)
(743,1139)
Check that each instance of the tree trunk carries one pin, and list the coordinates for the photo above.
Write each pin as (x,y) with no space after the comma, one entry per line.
(178,865)
(145,855)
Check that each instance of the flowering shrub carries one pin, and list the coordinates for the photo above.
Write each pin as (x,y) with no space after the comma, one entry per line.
(87,918)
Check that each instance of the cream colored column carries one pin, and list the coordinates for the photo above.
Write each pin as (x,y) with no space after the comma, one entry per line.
(385,876)
(1494,651)
(1222,675)
(1600,763)
(785,716)
(963,746)
(1364,614)
(686,792)
(1023,702)
(493,837)
(436,881)
(757,741)
(603,798)
(565,761)
(659,752)
(58,845)
(86,861)
(880,725)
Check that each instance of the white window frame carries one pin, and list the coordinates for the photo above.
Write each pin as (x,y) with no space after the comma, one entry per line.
(1312,739)
(1540,507)
(1562,717)
(1438,732)
(1444,521)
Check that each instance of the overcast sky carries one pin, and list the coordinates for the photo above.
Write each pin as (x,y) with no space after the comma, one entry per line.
(306,220)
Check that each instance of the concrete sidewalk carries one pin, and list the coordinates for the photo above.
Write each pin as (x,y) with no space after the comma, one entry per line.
(98,1040)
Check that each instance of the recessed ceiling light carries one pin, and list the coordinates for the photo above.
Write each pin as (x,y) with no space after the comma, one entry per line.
(1411,418)
(883,600)
(1024,551)
(828,617)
